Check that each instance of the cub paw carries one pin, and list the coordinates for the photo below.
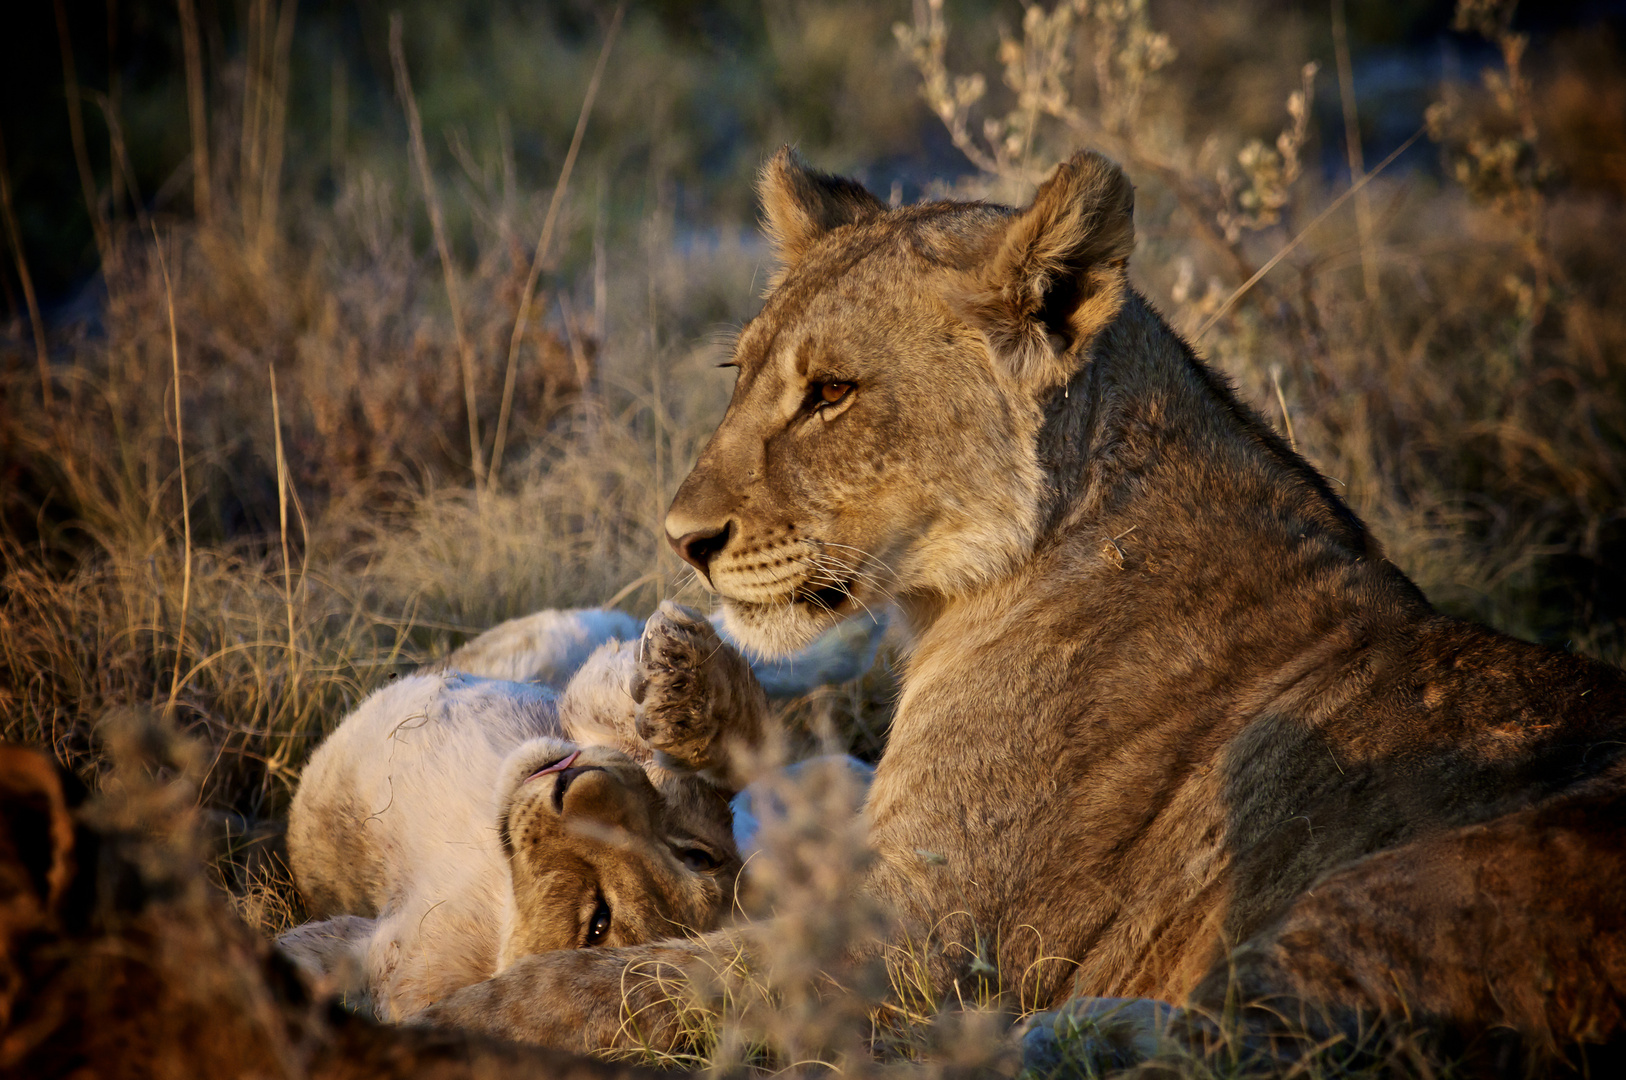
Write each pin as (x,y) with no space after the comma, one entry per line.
(694,691)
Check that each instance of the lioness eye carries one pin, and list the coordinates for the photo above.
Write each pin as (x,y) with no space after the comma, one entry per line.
(598,927)
(698,859)
(833,392)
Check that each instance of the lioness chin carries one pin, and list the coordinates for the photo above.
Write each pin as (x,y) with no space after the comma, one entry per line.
(1170,726)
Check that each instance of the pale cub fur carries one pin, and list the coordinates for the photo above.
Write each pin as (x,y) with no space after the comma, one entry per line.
(397,834)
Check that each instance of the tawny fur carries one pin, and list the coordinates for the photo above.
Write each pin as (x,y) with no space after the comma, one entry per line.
(1170,723)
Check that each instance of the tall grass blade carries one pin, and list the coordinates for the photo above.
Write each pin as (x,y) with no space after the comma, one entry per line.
(437,222)
(1352,147)
(180,453)
(523,317)
(15,237)
(278,760)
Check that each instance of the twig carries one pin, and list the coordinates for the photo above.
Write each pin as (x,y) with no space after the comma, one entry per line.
(420,155)
(180,450)
(1241,290)
(523,317)
(578,354)
(277,124)
(1352,145)
(76,128)
(632,586)
(109,103)
(14,234)
(123,171)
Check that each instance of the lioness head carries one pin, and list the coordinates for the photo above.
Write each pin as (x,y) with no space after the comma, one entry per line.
(881,440)
(595,859)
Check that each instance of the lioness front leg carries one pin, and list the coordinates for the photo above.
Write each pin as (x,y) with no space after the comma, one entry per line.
(702,708)
(1092,1036)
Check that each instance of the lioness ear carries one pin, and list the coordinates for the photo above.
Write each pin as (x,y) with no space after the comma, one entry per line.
(800,204)
(1057,272)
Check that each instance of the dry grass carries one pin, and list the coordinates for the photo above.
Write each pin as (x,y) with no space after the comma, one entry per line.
(1473,410)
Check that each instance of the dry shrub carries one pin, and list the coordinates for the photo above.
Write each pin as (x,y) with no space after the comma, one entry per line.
(1473,407)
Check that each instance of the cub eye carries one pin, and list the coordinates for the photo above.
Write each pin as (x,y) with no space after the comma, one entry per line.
(698,859)
(832,392)
(598,927)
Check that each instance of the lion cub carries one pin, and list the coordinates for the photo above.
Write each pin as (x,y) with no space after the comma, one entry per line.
(454,823)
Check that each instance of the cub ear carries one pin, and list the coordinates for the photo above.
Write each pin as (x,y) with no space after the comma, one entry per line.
(1056,273)
(800,204)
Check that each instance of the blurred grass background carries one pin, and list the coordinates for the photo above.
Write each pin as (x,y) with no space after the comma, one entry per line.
(177,535)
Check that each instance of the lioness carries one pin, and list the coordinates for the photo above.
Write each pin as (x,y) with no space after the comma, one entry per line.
(1171,726)
(454,823)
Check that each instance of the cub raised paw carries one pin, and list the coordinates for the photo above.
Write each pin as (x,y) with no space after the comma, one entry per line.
(699,702)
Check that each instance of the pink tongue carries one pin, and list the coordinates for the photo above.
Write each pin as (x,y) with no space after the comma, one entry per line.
(557,766)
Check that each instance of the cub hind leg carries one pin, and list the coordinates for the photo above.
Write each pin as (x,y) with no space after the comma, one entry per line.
(333,953)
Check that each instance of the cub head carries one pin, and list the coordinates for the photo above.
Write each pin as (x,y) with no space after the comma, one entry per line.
(881,441)
(595,859)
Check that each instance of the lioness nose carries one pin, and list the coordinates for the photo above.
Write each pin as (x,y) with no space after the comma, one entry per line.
(697,548)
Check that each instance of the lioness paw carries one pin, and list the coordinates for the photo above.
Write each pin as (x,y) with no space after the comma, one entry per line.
(696,693)
(1090,1037)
